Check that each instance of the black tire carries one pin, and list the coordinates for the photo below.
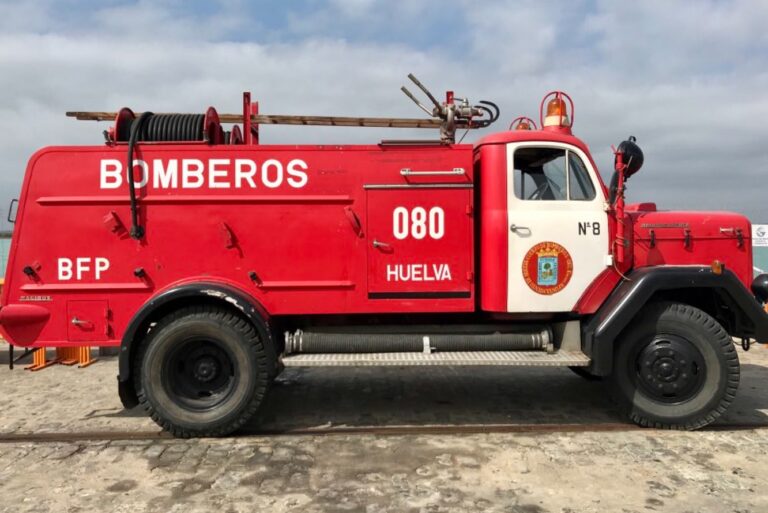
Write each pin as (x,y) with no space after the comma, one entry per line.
(675,367)
(582,372)
(202,371)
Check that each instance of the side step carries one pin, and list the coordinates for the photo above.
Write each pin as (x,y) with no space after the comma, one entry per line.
(476,358)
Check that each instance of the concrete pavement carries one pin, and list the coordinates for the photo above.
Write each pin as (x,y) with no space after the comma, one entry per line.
(714,470)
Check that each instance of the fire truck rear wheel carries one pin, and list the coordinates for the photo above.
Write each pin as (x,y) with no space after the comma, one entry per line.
(202,371)
(675,368)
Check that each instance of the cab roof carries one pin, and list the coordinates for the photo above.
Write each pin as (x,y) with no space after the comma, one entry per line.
(513,136)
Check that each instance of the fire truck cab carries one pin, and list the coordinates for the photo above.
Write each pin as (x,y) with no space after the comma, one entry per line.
(213,262)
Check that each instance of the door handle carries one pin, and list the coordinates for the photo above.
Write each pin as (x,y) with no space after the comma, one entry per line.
(382,246)
(518,229)
(80,323)
(452,172)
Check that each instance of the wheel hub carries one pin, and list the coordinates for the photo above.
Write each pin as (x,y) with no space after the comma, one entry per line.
(670,369)
(200,374)
(206,369)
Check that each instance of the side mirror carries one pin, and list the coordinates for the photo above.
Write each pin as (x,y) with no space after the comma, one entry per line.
(631,156)
(627,161)
(11,212)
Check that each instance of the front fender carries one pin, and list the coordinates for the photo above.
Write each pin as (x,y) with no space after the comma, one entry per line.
(600,333)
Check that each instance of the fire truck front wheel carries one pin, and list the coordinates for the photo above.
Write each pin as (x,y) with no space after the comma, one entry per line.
(675,368)
(202,371)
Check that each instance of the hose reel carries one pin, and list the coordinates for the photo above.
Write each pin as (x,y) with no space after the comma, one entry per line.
(150,127)
(174,128)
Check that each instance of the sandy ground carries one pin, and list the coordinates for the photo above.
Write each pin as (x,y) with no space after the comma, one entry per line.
(718,470)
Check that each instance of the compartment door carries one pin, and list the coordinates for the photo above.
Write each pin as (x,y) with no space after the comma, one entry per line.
(87,321)
(420,243)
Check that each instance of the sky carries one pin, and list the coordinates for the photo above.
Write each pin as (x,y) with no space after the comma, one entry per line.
(688,78)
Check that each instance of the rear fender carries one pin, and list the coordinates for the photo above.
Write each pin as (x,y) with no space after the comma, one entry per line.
(172,299)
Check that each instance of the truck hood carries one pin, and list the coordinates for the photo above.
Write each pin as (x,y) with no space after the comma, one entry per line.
(691,238)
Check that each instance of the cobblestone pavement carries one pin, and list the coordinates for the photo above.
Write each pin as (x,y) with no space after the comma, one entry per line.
(717,470)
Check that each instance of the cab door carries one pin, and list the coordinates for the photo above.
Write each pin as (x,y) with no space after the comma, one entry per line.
(420,242)
(558,227)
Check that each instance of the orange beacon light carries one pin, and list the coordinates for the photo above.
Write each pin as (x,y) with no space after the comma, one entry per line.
(557,117)
(523,123)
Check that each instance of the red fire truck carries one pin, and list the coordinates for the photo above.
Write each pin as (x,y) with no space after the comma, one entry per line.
(213,262)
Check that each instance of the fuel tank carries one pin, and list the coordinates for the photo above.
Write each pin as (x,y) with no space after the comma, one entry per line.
(691,238)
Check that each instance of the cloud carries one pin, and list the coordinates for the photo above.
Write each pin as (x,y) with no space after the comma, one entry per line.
(687,78)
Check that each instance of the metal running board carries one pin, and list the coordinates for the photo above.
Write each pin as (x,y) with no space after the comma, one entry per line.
(514,358)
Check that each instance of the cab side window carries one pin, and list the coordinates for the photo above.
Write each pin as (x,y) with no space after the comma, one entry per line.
(540,174)
(551,174)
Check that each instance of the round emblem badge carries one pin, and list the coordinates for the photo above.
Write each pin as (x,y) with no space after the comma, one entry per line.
(547,268)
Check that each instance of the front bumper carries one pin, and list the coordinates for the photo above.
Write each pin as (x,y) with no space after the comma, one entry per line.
(760,318)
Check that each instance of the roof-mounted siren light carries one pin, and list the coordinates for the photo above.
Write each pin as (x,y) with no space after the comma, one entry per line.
(559,116)
(523,123)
